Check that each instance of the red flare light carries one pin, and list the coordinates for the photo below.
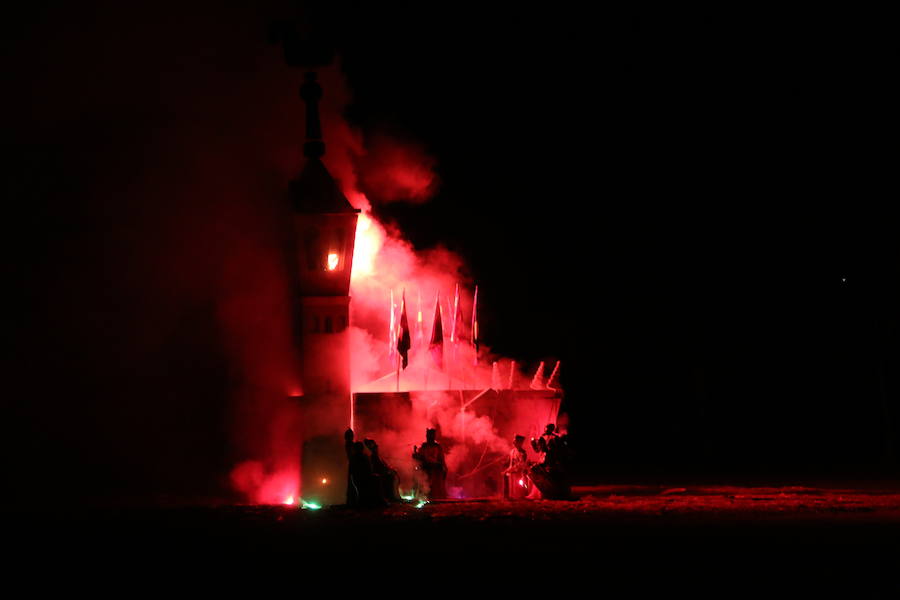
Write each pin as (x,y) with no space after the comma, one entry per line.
(369,239)
(289,501)
(332,261)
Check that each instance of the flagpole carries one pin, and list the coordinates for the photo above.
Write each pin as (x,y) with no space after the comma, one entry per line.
(452,364)
(474,332)
(449,366)
(392,335)
(403,340)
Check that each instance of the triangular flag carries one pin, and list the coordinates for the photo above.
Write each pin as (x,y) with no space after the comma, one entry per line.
(420,330)
(537,383)
(495,376)
(456,330)
(475,324)
(403,341)
(553,381)
(436,345)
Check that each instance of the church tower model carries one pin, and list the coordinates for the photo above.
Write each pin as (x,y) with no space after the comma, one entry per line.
(324,231)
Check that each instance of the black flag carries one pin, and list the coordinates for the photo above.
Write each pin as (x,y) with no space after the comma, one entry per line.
(436,345)
(403,341)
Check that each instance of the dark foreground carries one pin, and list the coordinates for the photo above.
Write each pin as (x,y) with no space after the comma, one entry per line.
(768,536)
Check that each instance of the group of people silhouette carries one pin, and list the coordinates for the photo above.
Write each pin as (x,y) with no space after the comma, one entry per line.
(371,482)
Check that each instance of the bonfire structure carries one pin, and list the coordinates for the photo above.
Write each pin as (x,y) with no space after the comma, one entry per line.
(434,381)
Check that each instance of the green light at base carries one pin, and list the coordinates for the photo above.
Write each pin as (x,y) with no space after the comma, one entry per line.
(309,505)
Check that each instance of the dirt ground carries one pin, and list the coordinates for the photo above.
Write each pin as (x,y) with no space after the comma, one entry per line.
(768,536)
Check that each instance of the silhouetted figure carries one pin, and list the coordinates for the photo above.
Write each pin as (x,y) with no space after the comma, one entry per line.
(541,444)
(387,476)
(363,487)
(517,481)
(552,475)
(352,496)
(430,459)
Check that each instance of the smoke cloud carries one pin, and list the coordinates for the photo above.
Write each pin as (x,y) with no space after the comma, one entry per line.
(395,171)
(387,269)
(153,275)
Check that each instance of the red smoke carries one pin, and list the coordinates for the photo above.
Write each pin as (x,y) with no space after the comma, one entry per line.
(384,263)
(395,171)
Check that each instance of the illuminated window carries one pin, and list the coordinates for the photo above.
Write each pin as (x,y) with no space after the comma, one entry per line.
(332,261)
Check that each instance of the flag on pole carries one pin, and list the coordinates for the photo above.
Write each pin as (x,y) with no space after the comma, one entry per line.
(449,310)
(553,381)
(420,330)
(403,341)
(436,345)
(537,382)
(456,330)
(475,324)
(495,376)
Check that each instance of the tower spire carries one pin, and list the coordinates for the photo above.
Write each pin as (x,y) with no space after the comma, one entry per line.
(311,92)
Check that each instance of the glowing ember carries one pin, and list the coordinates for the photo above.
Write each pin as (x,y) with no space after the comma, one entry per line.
(324,481)
(332,261)
(289,500)
(522,482)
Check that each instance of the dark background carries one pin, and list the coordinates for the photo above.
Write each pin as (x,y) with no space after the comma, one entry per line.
(692,210)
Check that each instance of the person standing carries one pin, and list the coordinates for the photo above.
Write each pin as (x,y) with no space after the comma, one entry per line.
(516,479)
(430,459)
(387,476)
(363,485)
(542,444)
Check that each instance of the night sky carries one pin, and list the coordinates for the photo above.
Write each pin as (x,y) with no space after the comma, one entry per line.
(691,210)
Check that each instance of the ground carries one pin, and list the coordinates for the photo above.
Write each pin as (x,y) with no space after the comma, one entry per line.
(831,535)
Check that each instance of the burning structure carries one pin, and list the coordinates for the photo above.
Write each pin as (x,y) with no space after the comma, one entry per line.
(415,379)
